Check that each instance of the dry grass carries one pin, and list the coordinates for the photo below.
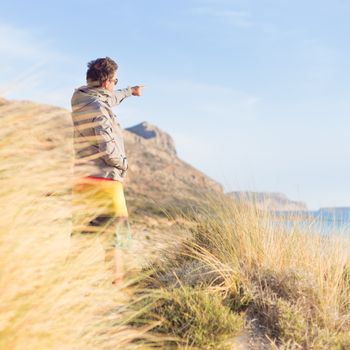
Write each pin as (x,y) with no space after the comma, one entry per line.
(50,301)
(293,285)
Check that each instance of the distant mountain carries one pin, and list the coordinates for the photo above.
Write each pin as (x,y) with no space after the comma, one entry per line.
(269,200)
(157,137)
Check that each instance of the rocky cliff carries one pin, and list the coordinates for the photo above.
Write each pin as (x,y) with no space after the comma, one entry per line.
(156,171)
(269,200)
(156,137)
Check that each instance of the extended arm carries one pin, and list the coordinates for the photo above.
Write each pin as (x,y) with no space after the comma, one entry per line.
(119,95)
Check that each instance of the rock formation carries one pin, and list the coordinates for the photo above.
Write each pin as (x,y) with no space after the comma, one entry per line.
(156,137)
(269,200)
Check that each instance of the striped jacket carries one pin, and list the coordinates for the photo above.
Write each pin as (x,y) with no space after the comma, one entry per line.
(98,139)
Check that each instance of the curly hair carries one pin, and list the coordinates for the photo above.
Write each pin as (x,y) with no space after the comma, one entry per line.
(101,69)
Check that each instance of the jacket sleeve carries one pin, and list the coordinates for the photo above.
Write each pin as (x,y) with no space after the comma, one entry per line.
(119,95)
(107,143)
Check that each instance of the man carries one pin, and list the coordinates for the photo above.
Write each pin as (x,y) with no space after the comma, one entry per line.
(100,164)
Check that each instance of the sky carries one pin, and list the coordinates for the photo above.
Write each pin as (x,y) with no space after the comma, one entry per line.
(255,93)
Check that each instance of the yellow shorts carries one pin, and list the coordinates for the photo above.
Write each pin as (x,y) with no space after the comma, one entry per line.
(97,201)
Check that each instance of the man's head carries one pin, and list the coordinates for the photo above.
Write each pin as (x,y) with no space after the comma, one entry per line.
(102,71)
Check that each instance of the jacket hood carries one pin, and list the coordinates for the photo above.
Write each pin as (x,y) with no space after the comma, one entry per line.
(86,95)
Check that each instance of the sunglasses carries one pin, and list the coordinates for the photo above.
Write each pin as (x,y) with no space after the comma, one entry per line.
(115,81)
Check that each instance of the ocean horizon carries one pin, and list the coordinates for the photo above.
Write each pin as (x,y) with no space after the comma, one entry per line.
(324,220)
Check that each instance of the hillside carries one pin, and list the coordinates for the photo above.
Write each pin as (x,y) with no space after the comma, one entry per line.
(269,200)
(156,174)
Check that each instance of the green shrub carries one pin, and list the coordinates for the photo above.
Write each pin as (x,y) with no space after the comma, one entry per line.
(331,341)
(239,297)
(283,322)
(292,325)
(199,317)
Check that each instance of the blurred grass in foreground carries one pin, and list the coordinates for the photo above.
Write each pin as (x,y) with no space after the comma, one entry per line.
(47,301)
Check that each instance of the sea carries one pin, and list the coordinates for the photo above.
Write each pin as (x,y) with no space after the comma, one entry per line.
(325,220)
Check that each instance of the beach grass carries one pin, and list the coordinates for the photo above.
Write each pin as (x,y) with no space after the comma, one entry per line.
(291,284)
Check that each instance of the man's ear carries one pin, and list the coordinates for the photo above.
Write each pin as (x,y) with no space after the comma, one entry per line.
(104,84)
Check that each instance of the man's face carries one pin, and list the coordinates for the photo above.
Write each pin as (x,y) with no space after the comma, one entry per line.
(110,83)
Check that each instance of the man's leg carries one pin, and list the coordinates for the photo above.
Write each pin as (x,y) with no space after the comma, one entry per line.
(119,237)
(122,234)
(115,262)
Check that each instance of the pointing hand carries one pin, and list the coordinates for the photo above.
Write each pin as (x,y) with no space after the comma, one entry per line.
(136,90)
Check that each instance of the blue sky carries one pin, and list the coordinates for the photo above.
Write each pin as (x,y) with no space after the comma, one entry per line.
(254,92)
